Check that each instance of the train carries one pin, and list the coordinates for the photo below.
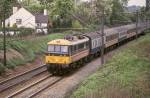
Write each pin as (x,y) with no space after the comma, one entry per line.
(72,51)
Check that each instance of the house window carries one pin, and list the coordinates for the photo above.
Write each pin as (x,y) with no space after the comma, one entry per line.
(18,21)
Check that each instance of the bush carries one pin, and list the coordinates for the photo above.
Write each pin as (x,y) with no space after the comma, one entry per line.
(14,26)
(21,31)
(25,31)
(76,24)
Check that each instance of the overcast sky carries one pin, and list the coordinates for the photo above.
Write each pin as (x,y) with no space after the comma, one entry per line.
(136,2)
(133,2)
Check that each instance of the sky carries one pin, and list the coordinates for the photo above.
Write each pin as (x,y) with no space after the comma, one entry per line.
(136,2)
(133,2)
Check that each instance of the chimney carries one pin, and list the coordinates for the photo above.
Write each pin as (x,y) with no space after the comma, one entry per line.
(15,9)
(45,12)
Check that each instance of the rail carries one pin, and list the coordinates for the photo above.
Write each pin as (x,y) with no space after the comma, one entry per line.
(20,78)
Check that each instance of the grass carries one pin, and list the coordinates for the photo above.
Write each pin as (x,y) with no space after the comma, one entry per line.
(29,49)
(127,75)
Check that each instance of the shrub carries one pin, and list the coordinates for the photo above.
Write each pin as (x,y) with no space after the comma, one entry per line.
(76,24)
(25,31)
(14,26)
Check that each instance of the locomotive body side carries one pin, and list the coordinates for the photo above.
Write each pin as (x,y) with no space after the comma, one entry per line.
(79,50)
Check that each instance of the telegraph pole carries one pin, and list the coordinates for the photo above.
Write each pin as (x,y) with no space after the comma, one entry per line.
(102,36)
(147,5)
(137,20)
(148,11)
(4,39)
(146,21)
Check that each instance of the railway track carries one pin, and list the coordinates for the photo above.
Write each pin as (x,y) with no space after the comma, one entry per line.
(35,88)
(20,78)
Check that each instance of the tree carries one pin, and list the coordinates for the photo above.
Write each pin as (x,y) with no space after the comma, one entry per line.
(47,3)
(35,8)
(97,10)
(6,8)
(61,11)
(82,13)
(118,15)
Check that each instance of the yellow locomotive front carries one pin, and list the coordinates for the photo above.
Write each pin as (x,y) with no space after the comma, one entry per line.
(63,54)
(58,55)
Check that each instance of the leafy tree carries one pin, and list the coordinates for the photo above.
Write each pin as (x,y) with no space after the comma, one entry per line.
(35,8)
(82,13)
(6,8)
(47,3)
(28,2)
(61,11)
(118,15)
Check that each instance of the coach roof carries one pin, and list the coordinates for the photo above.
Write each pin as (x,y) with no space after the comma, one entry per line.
(93,35)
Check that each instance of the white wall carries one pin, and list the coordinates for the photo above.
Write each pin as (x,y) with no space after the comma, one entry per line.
(28,20)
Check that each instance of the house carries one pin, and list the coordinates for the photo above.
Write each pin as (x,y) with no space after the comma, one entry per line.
(23,18)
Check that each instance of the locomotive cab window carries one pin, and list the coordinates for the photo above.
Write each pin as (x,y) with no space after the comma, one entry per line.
(58,49)
(51,48)
(64,49)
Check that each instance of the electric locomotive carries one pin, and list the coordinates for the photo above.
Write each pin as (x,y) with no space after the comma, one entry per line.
(62,54)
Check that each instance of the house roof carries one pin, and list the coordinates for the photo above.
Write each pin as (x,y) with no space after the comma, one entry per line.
(41,18)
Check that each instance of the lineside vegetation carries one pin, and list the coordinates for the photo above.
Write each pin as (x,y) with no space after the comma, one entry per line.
(25,50)
(126,75)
